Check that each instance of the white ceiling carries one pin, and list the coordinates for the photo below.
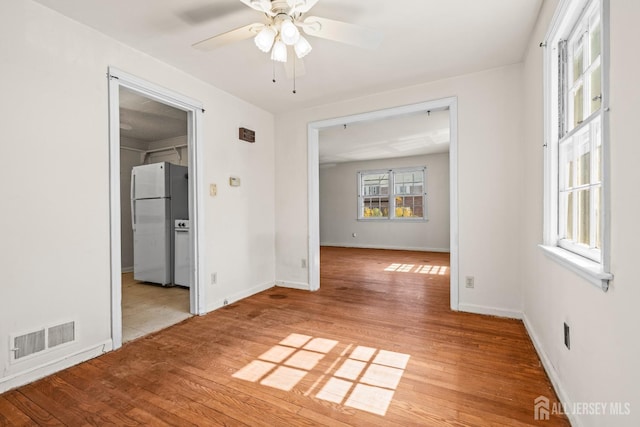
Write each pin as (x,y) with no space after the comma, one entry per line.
(402,136)
(424,40)
(144,119)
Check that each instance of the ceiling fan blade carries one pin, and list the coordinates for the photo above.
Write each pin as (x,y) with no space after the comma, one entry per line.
(238,34)
(301,6)
(342,32)
(292,72)
(259,5)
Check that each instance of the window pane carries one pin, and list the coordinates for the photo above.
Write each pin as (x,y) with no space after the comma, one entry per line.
(595,135)
(585,169)
(566,160)
(569,218)
(578,62)
(596,205)
(409,207)
(578,106)
(408,182)
(376,207)
(595,41)
(375,184)
(596,89)
(584,217)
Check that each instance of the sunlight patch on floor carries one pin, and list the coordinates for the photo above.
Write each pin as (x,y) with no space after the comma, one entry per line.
(420,269)
(364,378)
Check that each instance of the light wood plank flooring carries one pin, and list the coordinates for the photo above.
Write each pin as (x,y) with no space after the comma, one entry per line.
(148,308)
(376,346)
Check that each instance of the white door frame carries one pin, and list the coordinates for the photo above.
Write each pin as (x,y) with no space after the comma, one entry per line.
(193,108)
(313,180)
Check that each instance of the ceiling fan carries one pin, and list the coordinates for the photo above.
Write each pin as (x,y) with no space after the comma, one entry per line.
(280,30)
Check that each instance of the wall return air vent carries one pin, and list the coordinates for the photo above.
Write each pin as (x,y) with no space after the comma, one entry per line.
(41,340)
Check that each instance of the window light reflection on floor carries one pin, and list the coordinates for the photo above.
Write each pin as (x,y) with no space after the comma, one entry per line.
(421,269)
(363,378)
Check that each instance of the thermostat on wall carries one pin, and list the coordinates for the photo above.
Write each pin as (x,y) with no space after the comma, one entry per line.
(234,181)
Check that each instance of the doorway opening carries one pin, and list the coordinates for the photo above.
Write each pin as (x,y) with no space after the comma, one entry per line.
(153,139)
(448,105)
(155,253)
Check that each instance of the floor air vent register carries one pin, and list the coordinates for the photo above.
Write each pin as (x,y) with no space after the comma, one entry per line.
(42,340)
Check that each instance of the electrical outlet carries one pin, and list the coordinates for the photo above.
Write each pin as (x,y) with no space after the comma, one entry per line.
(225,302)
(214,278)
(303,263)
(567,336)
(469,282)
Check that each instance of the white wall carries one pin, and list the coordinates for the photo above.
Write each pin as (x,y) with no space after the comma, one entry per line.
(338,208)
(489,107)
(179,156)
(603,364)
(55,256)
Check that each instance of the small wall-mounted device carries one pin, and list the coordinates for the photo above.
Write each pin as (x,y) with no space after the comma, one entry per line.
(234,181)
(246,135)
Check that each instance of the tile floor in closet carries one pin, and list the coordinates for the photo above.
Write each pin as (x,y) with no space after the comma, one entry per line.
(148,308)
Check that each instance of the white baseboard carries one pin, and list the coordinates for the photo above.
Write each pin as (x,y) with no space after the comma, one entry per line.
(551,372)
(230,299)
(127,269)
(293,285)
(35,373)
(388,247)
(492,311)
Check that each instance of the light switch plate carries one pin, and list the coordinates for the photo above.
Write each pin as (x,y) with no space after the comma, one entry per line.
(213,190)
(234,181)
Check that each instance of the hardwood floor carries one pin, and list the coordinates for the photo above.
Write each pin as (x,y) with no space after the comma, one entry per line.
(376,346)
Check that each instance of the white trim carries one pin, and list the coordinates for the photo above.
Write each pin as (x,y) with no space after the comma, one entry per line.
(549,369)
(293,285)
(596,273)
(589,270)
(313,179)
(53,366)
(221,302)
(491,311)
(118,78)
(388,247)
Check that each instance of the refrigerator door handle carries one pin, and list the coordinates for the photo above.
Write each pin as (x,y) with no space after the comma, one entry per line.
(133,204)
(133,214)
(133,184)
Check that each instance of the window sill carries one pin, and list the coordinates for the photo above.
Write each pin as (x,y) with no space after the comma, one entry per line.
(585,268)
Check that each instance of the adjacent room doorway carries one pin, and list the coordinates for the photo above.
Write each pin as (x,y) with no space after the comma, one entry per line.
(168,134)
(448,104)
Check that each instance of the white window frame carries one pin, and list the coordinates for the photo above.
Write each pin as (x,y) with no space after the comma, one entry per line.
(592,265)
(392,195)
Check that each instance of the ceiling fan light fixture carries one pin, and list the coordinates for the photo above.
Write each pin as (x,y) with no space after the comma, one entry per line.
(279,52)
(289,33)
(302,47)
(264,39)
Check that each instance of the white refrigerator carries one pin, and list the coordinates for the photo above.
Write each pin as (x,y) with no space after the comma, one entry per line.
(159,196)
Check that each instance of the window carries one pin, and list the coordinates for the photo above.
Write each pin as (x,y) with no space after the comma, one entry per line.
(576,121)
(394,194)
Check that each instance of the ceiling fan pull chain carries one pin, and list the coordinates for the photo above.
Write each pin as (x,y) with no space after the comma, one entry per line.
(274,71)
(294,75)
